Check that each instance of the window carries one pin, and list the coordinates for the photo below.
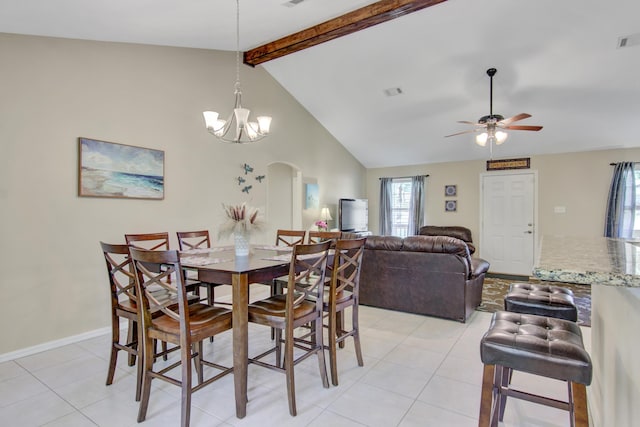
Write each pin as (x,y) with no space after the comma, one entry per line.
(400,198)
(401,205)
(623,204)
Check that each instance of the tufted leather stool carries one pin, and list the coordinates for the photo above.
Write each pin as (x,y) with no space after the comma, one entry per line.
(539,345)
(542,300)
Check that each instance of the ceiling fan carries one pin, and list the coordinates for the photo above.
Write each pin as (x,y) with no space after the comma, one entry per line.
(492,125)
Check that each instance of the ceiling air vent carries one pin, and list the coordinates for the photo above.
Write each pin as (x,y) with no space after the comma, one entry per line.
(292,3)
(628,41)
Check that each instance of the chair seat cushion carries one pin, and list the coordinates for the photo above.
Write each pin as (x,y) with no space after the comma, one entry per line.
(539,345)
(542,300)
(201,318)
(272,310)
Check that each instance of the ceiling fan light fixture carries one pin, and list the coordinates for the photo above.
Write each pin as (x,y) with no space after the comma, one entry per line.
(501,137)
(492,125)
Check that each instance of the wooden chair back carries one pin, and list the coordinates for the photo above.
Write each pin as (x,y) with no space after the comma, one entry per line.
(149,241)
(290,237)
(345,271)
(321,236)
(193,240)
(121,275)
(190,240)
(156,271)
(307,275)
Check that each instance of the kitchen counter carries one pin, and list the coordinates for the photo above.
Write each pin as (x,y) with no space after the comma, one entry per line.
(589,260)
(612,268)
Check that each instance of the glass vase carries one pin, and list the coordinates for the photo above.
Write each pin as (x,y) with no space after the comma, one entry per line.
(241,244)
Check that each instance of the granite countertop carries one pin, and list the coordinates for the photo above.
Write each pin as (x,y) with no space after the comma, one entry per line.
(589,260)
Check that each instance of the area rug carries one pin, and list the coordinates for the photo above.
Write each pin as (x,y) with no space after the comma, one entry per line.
(496,288)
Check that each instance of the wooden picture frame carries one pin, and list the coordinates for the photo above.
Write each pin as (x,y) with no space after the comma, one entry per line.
(505,164)
(108,169)
(450,205)
(450,190)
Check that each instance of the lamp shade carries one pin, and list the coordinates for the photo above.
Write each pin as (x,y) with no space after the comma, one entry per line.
(325,214)
(481,139)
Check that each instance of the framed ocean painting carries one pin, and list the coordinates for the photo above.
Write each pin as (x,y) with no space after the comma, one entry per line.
(107,169)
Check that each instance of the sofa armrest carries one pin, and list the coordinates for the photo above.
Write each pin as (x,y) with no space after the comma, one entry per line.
(472,248)
(479,266)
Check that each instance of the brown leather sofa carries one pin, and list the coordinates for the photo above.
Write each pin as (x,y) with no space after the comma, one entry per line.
(430,275)
(462,233)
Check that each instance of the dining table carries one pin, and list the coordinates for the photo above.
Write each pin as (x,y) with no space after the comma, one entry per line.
(220,265)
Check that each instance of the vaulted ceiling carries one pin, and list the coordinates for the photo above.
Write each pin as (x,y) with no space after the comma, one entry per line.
(557,60)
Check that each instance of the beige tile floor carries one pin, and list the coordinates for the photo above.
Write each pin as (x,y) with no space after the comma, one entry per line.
(418,371)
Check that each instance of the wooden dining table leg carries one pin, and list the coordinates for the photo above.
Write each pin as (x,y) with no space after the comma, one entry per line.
(240,293)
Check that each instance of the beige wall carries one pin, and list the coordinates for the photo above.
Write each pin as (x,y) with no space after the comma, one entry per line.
(577,181)
(54,91)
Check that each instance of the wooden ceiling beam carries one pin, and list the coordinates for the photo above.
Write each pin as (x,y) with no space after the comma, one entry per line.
(373,14)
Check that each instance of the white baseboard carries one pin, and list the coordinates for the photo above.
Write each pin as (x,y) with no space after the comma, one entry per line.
(53,344)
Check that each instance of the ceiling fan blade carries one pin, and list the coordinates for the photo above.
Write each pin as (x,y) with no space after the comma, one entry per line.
(466,122)
(515,118)
(523,127)
(460,133)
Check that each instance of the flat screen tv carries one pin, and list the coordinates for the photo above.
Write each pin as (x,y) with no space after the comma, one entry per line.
(353,214)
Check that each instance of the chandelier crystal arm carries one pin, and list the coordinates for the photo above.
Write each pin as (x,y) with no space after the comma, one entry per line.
(244,129)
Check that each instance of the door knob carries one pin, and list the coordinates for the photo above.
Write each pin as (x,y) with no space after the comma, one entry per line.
(528,232)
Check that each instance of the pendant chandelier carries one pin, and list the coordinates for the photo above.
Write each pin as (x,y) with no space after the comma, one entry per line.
(237,128)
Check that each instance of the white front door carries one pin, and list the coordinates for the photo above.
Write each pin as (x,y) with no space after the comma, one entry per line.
(508,221)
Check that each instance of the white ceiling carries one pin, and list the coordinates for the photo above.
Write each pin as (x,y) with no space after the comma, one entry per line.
(557,60)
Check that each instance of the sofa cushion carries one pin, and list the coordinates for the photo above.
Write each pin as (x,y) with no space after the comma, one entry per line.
(437,244)
(387,243)
(462,233)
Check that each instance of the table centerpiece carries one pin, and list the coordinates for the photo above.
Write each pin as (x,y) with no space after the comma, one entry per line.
(242,220)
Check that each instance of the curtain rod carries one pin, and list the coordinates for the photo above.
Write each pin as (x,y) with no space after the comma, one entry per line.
(400,177)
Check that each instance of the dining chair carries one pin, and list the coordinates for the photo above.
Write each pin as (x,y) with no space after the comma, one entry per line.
(193,240)
(124,306)
(290,237)
(301,304)
(181,323)
(343,292)
(321,236)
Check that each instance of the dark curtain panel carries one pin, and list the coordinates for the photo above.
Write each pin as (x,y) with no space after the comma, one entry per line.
(416,205)
(385,206)
(622,202)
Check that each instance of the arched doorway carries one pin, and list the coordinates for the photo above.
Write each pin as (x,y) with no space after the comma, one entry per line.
(284,197)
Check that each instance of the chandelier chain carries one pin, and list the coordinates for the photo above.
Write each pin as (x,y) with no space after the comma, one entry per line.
(237,85)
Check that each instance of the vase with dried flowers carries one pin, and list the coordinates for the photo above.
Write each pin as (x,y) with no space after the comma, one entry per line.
(242,220)
(322,225)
